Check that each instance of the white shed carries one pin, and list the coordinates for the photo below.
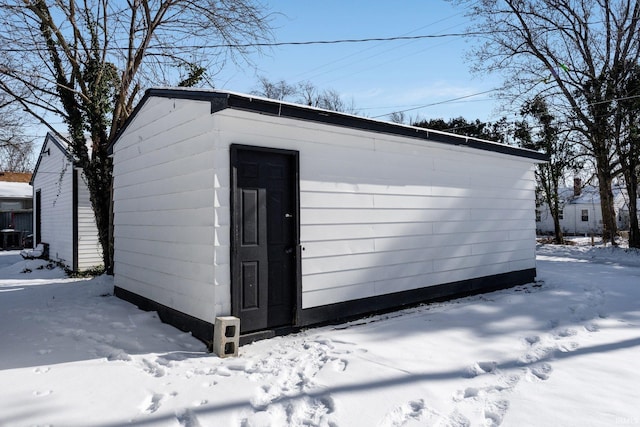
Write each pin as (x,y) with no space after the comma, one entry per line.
(63,216)
(285,215)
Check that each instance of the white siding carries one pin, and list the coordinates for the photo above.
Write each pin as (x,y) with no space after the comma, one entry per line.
(382,214)
(164,217)
(54,179)
(379,213)
(572,222)
(89,248)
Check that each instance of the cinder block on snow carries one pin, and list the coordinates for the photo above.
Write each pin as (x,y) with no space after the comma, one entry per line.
(226,336)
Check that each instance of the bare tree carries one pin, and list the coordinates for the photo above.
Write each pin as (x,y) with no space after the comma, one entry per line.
(626,136)
(280,90)
(572,51)
(16,148)
(398,117)
(304,93)
(88,61)
(545,135)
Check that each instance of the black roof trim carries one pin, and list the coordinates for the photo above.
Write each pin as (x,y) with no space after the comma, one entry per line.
(223,100)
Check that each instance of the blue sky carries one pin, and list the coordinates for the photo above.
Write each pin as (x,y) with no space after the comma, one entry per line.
(380,77)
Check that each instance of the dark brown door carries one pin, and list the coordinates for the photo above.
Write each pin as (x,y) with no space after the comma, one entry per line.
(265,238)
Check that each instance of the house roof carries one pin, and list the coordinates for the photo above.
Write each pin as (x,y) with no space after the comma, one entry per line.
(221,100)
(15,190)
(590,195)
(15,176)
(62,145)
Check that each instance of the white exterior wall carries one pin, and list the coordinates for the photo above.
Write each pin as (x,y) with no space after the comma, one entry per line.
(89,248)
(379,213)
(167,211)
(54,179)
(382,214)
(572,223)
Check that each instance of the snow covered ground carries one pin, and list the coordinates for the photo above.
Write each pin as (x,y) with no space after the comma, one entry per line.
(560,352)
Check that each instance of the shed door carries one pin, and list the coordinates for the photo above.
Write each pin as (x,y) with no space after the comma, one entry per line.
(38,234)
(264,246)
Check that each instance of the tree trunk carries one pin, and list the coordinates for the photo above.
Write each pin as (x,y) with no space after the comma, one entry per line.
(634,227)
(609,225)
(559,239)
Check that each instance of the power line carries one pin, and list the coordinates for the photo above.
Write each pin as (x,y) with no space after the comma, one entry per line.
(298,43)
(439,102)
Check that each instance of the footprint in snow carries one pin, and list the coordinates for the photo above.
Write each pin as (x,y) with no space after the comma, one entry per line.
(537,353)
(413,410)
(592,327)
(564,333)
(151,403)
(532,339)
(539,372)
(494,412)
(152,368)
(339,365)
(479,392)
(187,418)
(480,368)
(456,419)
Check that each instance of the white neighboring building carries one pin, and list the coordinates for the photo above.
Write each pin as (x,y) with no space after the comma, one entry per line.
(63,216)
(581,213)
(285,215)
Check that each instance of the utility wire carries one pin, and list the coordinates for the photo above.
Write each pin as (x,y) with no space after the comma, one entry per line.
(300,43)
(438,103)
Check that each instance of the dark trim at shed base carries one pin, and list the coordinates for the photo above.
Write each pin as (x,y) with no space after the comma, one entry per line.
(200,329)
(349,310)
(339,312)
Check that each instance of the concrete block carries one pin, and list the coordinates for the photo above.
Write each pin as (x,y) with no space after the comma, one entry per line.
(226,336)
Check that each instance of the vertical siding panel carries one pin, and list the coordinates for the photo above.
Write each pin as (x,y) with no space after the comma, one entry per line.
(89,248)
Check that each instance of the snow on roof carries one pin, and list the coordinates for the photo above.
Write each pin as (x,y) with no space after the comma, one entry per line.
(590,194)
(16,190)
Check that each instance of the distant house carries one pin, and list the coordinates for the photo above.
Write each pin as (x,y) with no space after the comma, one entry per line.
(581,212)
(285,215)
(64,217)
(16,209)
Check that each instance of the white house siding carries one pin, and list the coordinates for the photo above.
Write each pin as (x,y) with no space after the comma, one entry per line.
(572,222)
(89,248)
(54,179)
(382,214)
(379,213)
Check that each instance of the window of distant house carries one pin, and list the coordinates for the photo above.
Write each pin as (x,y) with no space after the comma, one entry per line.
(585,215)
(538,215)
(561,214)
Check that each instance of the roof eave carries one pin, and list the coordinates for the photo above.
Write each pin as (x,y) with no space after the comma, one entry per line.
(221,100)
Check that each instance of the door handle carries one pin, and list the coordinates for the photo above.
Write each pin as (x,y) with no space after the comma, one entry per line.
(288,215)
(288,251)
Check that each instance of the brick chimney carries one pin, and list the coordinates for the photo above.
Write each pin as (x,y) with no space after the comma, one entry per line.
(577,187)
